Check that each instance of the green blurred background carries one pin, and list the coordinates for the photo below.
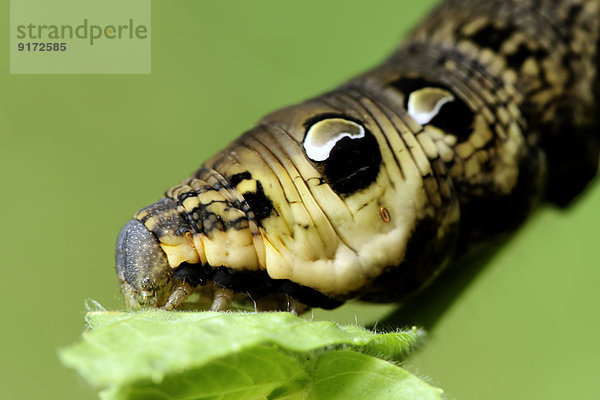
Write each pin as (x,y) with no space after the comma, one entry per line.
(79,154)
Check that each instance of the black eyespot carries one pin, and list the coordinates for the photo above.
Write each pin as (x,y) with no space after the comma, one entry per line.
(454,117)
(344,151)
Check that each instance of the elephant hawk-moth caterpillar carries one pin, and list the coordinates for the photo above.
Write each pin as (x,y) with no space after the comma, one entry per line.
(370,190)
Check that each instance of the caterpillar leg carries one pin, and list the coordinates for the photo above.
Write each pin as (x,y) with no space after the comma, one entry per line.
(178,296)
(296,307)
(222,299)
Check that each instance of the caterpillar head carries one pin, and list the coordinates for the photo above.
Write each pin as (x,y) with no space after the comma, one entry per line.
(142,267)
(149,247)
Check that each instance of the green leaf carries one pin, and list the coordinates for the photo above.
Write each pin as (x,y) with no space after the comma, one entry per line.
(345,374)
(207,355)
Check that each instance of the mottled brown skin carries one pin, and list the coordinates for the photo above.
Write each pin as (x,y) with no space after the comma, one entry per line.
(370,190)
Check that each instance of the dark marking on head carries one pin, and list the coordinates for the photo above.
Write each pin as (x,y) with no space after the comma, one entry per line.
(206,220)
(186,195)
(259,203)
(454,117)
(168,221)
(234,180)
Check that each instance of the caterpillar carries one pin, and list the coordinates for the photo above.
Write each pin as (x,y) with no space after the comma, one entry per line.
(372,189)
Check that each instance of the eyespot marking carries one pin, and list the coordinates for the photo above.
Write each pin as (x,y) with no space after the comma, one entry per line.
(323,135)
(453,117)
(424,104)
(344,151)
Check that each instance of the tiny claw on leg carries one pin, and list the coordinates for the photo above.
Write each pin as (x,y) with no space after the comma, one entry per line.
(178,296)
(221,300)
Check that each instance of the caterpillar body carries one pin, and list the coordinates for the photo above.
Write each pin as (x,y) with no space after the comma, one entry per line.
(370,190)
